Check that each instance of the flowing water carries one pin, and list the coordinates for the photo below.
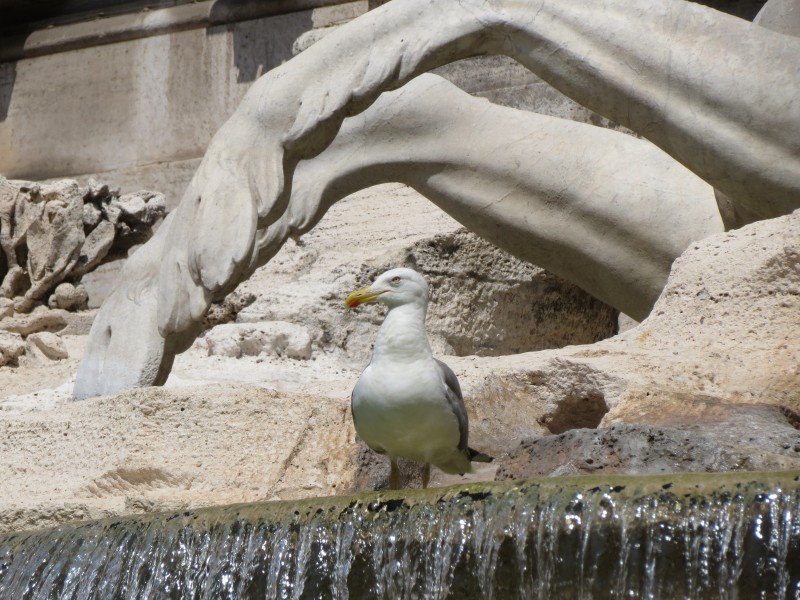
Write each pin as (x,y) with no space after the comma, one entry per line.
(690,536)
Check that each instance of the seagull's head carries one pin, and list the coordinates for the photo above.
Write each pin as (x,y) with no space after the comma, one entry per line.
(393,288)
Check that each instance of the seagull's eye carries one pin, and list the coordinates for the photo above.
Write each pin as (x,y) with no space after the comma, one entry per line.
(396,279)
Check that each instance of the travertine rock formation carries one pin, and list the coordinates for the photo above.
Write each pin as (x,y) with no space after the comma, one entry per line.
(276,338)
(56,232)
(483,302)
(12,346)
(710,381)
(486,302)
(51,234)
(154,449)
(68,297)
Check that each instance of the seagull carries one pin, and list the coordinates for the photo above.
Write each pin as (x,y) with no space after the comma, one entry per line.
(406,402)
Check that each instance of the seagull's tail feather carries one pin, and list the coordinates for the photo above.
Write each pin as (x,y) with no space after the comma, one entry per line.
(475,456)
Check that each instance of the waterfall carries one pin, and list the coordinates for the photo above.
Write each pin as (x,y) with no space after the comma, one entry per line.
(732,536)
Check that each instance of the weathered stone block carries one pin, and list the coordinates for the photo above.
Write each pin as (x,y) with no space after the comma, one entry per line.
(274,338)
(46,344)
(68,297)
(12,346)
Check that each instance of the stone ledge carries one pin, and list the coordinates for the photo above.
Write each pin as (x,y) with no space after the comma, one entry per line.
(628,535)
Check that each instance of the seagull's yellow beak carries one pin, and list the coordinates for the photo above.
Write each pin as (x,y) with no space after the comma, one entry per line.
(362,296)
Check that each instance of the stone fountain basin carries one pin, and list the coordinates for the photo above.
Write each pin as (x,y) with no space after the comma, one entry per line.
(686,535)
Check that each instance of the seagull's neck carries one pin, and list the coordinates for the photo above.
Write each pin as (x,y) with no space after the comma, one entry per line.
(402,335)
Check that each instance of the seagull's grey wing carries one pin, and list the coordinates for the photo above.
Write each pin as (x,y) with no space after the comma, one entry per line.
(352,401)
(353,396)
(456,401)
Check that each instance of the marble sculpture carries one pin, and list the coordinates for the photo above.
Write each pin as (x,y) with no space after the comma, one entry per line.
(716,99)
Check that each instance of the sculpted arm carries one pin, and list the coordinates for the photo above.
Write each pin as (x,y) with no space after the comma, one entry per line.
(734,121)
(243,184)
(602,209)
(642,63)
(717,93)
(238,197)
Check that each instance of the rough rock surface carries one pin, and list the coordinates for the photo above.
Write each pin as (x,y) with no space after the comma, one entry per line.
(744,438)
(51,232)
(51,235)
(45,345)
(12,346)
(69,297)
(710,381)
(155,448)
(276,338)
(228,309)
(40,319)
(485,302)
(6,307)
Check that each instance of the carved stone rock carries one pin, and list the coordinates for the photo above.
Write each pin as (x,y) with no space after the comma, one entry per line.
(58,231)
(272,338)
(34,322)
(6,308)
(68,297)
(45,344)
(709,381)
(12,346)
(228,309)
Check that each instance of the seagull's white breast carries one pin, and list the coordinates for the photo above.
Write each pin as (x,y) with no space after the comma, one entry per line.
(402,409)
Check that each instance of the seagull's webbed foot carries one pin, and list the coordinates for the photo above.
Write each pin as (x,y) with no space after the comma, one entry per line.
(426,475)
(394,475)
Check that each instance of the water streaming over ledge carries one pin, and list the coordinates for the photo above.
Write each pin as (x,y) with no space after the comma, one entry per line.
(715,536)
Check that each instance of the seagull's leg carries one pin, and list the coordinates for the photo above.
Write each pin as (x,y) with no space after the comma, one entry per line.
(426,475)
(394,475)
